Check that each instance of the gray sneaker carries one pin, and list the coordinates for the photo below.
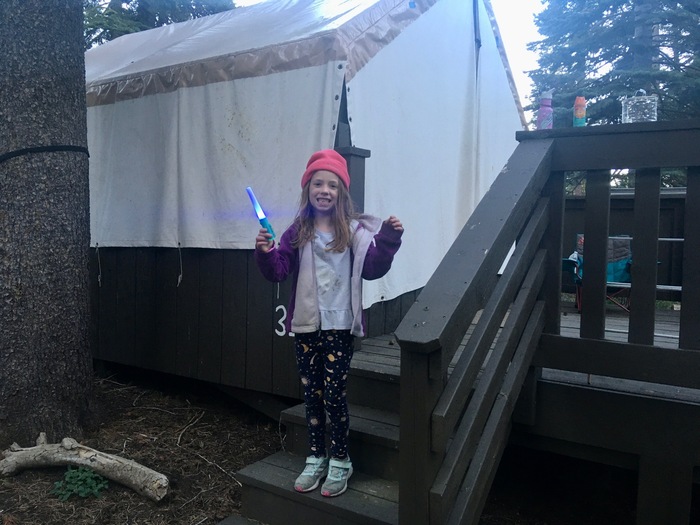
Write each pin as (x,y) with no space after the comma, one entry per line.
(339,472)
(314,471)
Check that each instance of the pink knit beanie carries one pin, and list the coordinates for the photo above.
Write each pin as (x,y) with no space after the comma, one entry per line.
(330,160)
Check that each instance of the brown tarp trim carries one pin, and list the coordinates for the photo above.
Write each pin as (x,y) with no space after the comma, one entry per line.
(356,42)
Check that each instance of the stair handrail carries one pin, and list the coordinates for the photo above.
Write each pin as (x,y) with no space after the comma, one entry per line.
(432,330)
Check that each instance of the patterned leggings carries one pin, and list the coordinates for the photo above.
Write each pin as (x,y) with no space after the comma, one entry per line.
(323,359)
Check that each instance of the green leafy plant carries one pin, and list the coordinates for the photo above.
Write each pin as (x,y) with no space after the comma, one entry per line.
(81,481)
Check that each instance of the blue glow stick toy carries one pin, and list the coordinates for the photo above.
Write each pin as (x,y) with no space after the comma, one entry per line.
(260,213)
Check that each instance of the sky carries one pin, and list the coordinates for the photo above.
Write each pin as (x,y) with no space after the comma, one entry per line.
(515,20)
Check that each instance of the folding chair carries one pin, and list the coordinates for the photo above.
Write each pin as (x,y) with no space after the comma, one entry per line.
(617,274)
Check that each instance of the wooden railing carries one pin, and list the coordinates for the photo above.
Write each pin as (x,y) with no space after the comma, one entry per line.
(455,427)
(441,422)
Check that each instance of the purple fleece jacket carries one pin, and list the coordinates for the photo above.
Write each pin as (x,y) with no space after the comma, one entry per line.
(373,248)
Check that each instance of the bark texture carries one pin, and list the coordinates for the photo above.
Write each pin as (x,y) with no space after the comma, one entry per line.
(45,361)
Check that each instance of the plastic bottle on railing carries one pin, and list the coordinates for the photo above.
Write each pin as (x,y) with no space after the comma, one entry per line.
(580,111)
(545,116)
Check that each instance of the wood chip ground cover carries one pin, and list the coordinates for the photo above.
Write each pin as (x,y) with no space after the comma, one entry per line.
(193,434)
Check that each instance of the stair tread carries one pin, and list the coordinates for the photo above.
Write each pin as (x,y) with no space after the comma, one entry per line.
(372,368)
(378,357)
(381,357)
(368,499)
(373,423)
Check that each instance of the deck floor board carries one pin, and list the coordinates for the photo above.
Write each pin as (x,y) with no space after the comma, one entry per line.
(382,355)
(666,325)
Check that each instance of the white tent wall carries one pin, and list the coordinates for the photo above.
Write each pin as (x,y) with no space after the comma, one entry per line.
(440,125)
(500,116)
(182,118)
(171,169)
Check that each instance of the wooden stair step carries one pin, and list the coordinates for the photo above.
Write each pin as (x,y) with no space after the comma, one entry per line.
(369,424)
(374,374)
(269,496)
(383,350)
(373,440)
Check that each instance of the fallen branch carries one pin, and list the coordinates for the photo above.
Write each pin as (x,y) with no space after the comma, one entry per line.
(141,479)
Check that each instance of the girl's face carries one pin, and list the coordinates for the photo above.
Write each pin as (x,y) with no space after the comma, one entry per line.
(323,191)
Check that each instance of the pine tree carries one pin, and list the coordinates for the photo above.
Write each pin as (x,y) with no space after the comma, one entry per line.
(45,359)
(606,51)
(108,19)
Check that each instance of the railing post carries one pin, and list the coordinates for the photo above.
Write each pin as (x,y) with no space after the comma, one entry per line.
(355,157)
(645,249)
(690,298)
(597,217)
(422,382)
(552,242)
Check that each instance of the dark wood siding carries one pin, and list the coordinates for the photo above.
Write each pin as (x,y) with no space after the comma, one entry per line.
(235,312)
(204,314)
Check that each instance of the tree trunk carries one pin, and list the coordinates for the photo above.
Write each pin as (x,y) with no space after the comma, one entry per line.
(645,52)
(45,361)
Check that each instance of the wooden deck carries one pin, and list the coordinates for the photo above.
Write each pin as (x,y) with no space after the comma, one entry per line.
(605,385)
(381,356)
(666,328)
(374,433)
(666,335)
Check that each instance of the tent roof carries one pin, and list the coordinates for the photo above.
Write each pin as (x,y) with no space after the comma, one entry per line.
(248,41)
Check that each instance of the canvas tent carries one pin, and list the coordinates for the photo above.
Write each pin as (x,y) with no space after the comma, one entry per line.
(182,118)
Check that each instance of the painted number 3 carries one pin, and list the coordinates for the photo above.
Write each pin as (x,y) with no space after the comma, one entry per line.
(281,310)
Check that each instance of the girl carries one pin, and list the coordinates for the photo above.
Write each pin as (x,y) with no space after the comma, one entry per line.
(328,250)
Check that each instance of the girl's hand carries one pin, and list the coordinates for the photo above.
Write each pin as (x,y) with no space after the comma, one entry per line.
(263,241)
(395,223)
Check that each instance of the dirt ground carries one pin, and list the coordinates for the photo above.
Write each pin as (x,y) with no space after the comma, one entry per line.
(191,433)
(199,438)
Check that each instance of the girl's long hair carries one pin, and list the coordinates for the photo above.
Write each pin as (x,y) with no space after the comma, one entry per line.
(342,214)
